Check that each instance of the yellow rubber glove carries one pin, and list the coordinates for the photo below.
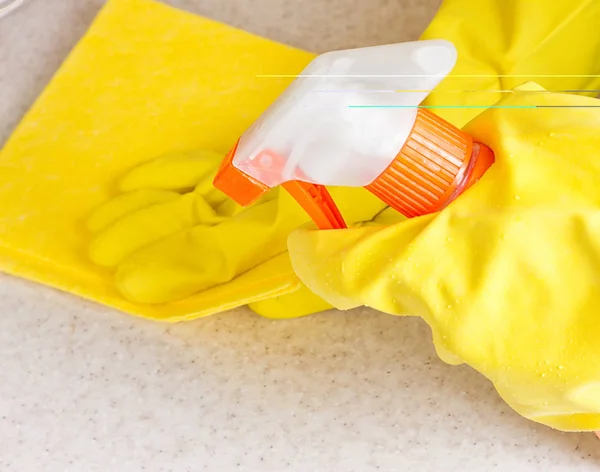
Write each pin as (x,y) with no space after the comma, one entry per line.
(166,242)
(155,206)
(501,44)
(507,275)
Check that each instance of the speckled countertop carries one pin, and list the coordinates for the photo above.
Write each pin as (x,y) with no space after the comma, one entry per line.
(88,389)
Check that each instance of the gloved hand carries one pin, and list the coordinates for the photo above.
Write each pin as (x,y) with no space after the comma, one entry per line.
(161,197)
(507,275)
(171,234)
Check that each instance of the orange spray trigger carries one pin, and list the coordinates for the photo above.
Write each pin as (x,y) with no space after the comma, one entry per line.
(317,202)
(245,190)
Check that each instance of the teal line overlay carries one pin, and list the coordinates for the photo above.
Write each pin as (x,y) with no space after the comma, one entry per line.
(442,106)
(474,106)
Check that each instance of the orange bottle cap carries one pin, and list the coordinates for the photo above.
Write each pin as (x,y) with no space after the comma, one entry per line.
(436,164)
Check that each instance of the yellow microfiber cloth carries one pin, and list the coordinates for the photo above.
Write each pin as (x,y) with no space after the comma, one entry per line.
(107,183)
(146,80)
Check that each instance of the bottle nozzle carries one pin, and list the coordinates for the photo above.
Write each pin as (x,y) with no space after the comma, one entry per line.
(436,164)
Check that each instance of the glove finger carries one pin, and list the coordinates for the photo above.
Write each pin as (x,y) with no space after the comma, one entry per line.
(173,268)
(178,172)
(125,204)
(190,261)
(141,228)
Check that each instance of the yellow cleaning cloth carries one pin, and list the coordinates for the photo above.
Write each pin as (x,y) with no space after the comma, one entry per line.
(146,81)
(107,183)
(508,276)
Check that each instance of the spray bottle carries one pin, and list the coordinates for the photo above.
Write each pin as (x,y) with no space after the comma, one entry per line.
(353,118)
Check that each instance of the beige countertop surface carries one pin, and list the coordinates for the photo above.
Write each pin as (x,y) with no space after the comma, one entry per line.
(84,388)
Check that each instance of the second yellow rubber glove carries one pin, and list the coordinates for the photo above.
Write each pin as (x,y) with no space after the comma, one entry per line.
(171,234)
(506,276)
